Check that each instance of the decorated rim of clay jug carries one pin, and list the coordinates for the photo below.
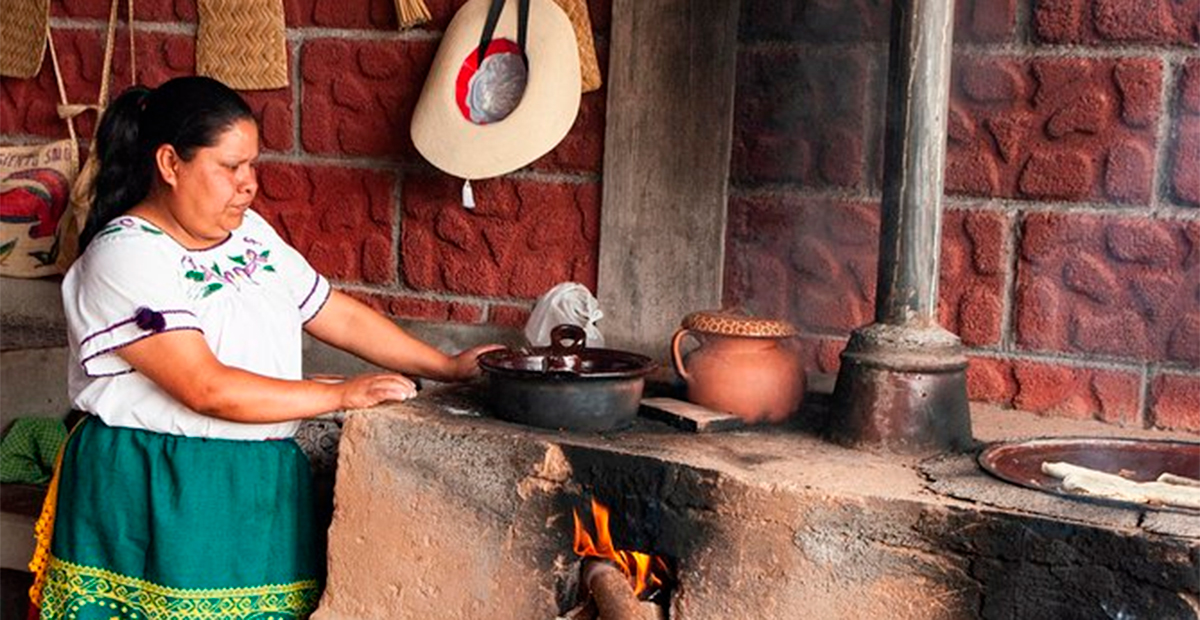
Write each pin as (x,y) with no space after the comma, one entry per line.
(728,323)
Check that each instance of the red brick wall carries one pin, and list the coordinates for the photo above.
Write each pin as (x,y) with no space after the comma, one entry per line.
(1071,258)
(340,177)
(1071,245)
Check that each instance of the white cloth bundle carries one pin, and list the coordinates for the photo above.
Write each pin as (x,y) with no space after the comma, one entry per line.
(567,303)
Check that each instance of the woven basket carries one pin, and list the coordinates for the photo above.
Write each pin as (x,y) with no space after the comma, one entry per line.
(242,43)
(23,43)
(582,23)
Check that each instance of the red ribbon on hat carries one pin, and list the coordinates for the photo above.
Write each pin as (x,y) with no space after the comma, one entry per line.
(462,85)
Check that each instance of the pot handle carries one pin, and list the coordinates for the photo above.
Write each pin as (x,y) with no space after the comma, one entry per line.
(573,334)
(677,356)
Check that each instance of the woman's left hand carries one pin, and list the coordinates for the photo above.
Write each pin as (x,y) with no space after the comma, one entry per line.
(465,365)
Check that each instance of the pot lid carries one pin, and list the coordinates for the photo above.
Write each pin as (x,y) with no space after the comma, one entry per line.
(566,357)
(736,323)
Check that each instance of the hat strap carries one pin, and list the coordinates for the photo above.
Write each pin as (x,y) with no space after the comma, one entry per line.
(489,27)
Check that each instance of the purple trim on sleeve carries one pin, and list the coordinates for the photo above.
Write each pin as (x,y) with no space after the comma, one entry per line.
(149,320)
(127,321)
(316,283)
(127,371)
(328,294)
(83,362)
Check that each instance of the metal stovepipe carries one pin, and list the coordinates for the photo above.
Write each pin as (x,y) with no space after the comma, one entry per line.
(902,384)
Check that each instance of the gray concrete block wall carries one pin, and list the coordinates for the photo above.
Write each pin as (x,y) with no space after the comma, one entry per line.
(33,383)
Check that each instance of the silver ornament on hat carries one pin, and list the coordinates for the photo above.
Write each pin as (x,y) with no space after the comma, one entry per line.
(496,88)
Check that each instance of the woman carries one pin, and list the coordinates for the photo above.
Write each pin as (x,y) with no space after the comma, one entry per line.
(183,495)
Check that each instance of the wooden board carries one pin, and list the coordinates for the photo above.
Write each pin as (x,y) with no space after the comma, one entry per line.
(669,127)
(689,416)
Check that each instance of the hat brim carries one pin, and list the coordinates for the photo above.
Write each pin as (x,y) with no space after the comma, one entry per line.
(543,117)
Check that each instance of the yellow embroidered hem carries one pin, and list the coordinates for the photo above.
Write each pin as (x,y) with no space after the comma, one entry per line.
(42,532)
(72,591)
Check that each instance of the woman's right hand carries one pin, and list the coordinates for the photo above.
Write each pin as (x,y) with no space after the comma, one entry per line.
(370,390)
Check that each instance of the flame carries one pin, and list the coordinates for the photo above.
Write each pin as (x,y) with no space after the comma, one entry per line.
(640,568)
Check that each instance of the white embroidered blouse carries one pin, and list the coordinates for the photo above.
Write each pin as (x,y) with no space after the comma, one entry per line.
(249,295)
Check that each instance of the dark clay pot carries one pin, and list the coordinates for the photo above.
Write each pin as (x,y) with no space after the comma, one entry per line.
(566,385)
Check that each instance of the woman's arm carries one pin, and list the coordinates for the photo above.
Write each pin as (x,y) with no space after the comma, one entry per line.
(182,364)
(350,325)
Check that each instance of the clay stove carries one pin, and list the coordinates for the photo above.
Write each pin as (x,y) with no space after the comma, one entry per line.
(445,513)
(442,512)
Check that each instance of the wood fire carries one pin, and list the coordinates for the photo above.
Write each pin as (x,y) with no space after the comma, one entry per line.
(642,570)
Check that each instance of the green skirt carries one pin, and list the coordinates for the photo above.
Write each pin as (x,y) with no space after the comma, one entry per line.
(155,526)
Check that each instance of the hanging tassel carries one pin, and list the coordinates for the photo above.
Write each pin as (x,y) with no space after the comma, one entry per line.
(412,13)
(468,196)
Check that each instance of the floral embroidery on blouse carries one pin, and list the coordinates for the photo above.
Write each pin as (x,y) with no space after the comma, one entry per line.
(126,223)
(212,278)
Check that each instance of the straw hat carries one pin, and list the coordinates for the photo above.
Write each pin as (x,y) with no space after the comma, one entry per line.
(478,120)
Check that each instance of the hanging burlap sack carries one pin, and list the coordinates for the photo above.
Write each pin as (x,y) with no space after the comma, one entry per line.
(582,24)
(242,43)
(75,218)
(35,187)
(23,42)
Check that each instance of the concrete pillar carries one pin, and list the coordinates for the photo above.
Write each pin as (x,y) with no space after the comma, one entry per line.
(902,384)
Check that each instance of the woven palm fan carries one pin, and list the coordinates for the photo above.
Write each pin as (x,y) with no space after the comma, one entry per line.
(581,23)
(242,43)
(23,23)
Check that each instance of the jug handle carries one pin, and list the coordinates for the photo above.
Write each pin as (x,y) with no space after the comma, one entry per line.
(676,356)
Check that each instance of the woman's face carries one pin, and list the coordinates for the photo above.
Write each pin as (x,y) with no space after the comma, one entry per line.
(212,191)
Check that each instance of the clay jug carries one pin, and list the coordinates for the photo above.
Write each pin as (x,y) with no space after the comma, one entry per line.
(747,366)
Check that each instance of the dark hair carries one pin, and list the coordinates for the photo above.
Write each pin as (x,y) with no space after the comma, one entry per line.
(188,113)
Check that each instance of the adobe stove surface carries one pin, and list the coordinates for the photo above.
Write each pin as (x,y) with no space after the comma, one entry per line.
(443,513)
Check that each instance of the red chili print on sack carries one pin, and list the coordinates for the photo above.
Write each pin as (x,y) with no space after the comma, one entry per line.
(37,196)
